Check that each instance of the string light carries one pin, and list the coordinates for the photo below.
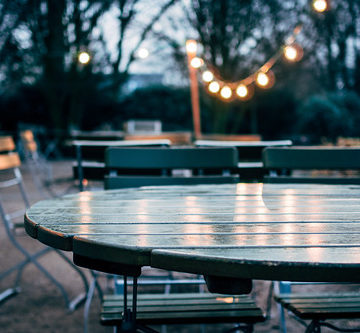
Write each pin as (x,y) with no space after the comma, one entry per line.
(293,52)
(196,62)
(207,76)
(320,5)
(226,92)
(191,46)
(243,89)
(214,87)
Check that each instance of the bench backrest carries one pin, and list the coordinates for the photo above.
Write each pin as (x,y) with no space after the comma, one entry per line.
(282,160)
(131,167)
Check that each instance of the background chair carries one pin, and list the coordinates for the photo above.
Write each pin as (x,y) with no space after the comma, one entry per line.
(11,181)
(133,167)
(90,155)
(339,165)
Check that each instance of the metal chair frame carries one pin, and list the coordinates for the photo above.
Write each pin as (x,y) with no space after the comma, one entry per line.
(10,228)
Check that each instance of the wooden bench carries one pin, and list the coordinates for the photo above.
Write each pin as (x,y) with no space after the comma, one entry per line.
(184,308)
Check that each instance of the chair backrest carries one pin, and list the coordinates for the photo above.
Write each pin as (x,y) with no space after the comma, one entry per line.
(281,161)
(131,167)
(28,141)
(9,159)
(10,176)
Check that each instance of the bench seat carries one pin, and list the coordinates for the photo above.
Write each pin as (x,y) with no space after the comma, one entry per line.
(184,308)
(322,306)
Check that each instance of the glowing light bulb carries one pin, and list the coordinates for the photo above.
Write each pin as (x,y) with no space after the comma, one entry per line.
(196,62)
(143,53)
(214,87)
(242,90)
(207,76)
(262,79)
(191,46)
(293,52)
(320,5)
(84,57)
(290,53)
(226,92)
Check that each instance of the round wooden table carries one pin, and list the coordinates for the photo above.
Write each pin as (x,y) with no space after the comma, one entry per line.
(242,231)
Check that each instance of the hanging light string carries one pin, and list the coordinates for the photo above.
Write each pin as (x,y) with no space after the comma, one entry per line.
(263,77)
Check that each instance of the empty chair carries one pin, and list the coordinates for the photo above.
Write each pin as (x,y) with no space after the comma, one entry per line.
(174,166)
(11,183)
(90,155)
(133,167)
(325,165)
(282,162)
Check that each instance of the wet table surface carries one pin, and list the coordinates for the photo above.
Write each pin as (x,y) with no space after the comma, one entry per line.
(252,231)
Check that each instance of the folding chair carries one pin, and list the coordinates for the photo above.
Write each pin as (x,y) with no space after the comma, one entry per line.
(302,165)
(11,179)
(133,167)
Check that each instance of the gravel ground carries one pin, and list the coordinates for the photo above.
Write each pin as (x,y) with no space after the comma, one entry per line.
(40,307)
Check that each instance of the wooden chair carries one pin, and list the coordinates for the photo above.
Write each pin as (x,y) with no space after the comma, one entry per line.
(318,307)
(250,166)
(40,169)
(90,156)
(281,161)
(170,166)
(207,165)
(11,178)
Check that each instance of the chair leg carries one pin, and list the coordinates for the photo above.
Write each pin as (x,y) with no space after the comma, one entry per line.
(78,300)
(32,258)
(313,327)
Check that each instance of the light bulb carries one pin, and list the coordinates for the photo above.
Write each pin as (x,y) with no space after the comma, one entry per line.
(262,79)
(84,57)
(290,53)
(293,52)
(207,76)
(191,46)
(214,87)
(196,62)
(226,92)
(242,90)
(320,5)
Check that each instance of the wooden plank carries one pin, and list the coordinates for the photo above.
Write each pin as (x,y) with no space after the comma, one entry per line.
(7,144)
(9,161)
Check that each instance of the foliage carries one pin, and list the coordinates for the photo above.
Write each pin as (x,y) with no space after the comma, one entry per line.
(329,116)
(170,105)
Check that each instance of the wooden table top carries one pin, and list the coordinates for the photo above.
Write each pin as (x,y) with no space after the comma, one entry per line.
(271,231)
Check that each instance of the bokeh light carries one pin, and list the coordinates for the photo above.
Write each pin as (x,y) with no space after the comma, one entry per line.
(196,62)
(143,53)
(207,76)
(84,57)
(214,87)
(320,5)
(226,92)
(191,46)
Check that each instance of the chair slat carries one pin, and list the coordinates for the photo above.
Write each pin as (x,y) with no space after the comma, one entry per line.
(7,144)
(9,161)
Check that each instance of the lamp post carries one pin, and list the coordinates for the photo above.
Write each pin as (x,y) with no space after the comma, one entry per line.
(191,47)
